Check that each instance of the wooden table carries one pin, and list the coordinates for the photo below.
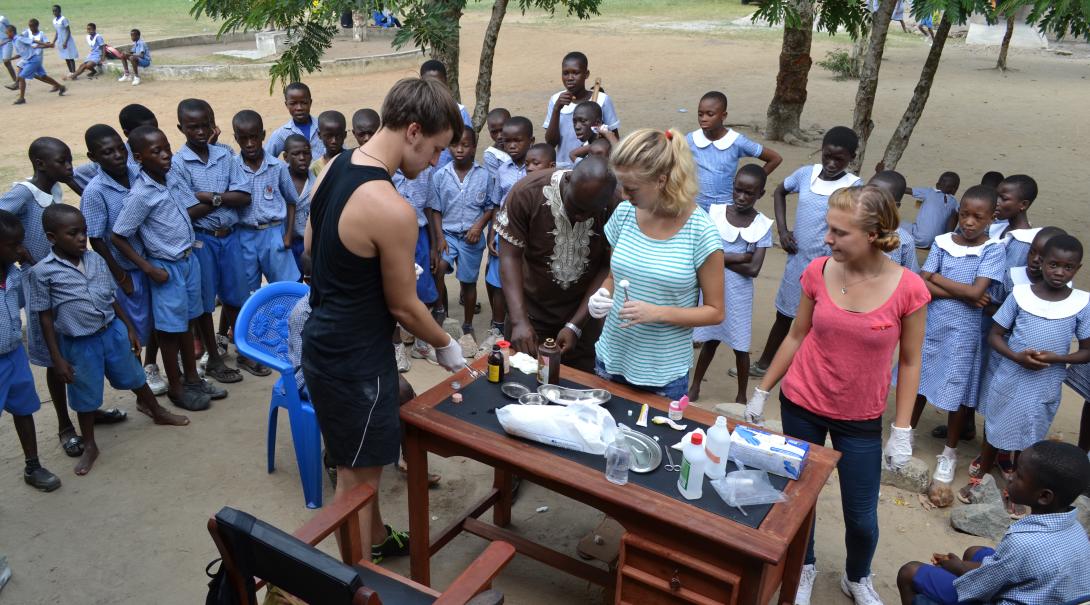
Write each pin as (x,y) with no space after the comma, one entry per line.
(671,553)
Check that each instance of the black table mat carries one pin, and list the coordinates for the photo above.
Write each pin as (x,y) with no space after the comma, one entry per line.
(480,399)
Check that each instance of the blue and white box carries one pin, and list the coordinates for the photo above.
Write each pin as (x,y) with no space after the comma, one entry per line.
(776,454)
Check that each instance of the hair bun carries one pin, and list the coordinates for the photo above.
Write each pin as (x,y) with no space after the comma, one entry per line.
(888,241)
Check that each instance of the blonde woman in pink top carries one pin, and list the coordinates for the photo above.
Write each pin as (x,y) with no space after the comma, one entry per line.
(857,307)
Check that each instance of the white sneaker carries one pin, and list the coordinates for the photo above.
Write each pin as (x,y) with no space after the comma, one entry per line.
(136,81)
(423,350)
(806,584)
(862,592)
(944,469)
(124,78)
(221,344)
(469,345)
(156,383)
(404,364)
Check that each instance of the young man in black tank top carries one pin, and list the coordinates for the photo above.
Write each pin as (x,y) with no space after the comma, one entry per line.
(361,238)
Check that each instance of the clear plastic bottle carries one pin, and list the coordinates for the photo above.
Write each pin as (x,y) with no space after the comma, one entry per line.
(618,460)
(690,481)
(717,448)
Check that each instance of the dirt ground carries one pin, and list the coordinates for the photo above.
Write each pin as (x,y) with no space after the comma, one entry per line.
(135,525)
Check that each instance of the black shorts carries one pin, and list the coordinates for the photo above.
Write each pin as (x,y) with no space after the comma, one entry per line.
(358,418)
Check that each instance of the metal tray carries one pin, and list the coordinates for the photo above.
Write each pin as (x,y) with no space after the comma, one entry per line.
(646,452)
(514,390)
(565,396)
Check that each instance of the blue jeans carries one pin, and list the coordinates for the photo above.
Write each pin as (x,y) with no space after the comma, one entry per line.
(672,390)
(860,471)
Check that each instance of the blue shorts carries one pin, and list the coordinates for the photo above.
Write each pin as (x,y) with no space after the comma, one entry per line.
(492,272)
(263,253)
(7,51)
(143,61)
(297,253)
(37,350)
(178,300)
(464,256)
(926,21)
(222,271)
(32,68)
(937,584)
(105,355)
(672,390)
(138,306)
(17,394)
(425,284)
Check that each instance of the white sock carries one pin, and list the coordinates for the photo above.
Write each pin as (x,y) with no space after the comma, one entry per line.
(950,452)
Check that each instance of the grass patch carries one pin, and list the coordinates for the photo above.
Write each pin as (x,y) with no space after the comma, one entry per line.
(663,10)
(154,18)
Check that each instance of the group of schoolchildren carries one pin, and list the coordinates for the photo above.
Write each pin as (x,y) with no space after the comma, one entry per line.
(23,54)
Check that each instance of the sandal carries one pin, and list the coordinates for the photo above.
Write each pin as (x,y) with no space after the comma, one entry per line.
(73,446)
(964,493)
(253,367)
(223,374)
(974,469)
(1005,462)
(111,416)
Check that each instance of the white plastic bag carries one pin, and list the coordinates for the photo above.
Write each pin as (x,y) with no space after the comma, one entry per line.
(581,427)
(745,488)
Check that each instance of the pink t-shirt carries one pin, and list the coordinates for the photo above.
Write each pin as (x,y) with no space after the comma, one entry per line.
(842,369)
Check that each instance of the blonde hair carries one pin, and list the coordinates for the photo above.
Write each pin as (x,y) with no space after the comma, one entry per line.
(650,154)
(874,210)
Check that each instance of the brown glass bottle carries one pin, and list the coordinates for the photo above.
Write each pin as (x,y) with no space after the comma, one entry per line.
(495,365)
(548,362)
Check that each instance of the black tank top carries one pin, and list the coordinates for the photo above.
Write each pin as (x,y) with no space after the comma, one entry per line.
(349,331)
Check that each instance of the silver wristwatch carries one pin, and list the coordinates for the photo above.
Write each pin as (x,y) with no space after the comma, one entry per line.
(217,200)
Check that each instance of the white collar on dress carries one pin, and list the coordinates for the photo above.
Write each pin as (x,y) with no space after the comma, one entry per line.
(1023,235)
(946,242)
(570,107)
(997,227)
(822,187)
(1047,309)
(55,196)
(751,234)
(1019,276)
(722,143)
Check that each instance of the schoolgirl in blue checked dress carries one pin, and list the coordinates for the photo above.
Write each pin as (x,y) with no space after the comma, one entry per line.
(814,184)
(958,271)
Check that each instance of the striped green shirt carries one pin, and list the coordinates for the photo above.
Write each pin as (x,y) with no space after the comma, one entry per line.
(660,272)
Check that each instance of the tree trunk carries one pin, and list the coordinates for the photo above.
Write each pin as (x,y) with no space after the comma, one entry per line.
(1001,64)
(359,26)
(785,110)
(483,94)
(448,50)
(868,79)
(899,141)
(859,52)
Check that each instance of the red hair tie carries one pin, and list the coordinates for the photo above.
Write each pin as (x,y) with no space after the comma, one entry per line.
(669,135)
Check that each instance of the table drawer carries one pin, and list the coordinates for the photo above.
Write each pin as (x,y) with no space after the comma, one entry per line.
(650,573)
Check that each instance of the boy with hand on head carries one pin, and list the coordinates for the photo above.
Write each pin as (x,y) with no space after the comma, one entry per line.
(365,123)
(94,54)
(17,394)
(559,127)
(221,189)
(298,101)
(894,183)
(587,122)
(29,45)
(156,211)
(268,222)
(1043,558)
(332,130)
(462,190)
(297,157)
(717,150)
(139,55)
(495,155)
(88,334)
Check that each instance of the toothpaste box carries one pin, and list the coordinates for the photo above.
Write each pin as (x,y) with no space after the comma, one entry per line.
(769,452)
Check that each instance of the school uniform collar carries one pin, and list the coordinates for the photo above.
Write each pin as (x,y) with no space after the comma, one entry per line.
(293,127)
(1023,235)
(823,187)
(997,227)
(215,154)
(1060,309)
(722,143)
(111,182)
(499,153)
(751,234)
(43,199)
(946,242)
(267,161)
(53,258)
(145,178)
(1050,523)
(570,107)
(1020,276)
(449,167)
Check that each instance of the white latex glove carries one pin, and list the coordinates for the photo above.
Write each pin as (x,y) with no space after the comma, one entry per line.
(755,409)
(898,448)
(600,303)
(450,356)
(419,270)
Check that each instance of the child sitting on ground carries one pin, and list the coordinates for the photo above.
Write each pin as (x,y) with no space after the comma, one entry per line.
(1043,558)
(17,394)
(365,123)
(297,157)
(138,56)
(72,292)
(332,130)
(94,57)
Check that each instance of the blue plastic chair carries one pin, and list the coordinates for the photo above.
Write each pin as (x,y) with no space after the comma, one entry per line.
(261,333)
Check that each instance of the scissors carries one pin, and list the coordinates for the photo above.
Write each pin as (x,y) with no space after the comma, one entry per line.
(671,466)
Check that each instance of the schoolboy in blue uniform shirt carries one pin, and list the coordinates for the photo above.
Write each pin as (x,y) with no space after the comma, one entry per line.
(437,70)
(297,157)
(298,101)
(267,223)
(88,334)
(937,214)
(156,211)
(421,196)
(462,190)
(221,190)
(1043,559)
(17,394)
(130,117)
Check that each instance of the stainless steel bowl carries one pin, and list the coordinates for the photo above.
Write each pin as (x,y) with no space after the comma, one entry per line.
(565,396)
(646,452)
(532,399)
(514,390)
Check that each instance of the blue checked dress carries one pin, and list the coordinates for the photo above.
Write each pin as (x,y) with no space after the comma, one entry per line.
(952,356)
(1018,242)
(810,228)
(716,164)
(1023,402)
(1078,378)
(736,328)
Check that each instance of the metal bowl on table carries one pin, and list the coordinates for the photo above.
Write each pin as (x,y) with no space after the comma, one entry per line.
(646,452)
(565,396)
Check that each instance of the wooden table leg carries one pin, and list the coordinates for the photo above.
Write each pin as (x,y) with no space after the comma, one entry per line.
(501,511)
(416,457)
(795,558)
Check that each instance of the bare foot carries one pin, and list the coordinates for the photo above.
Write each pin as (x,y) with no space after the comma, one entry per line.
(87,460)
(741,398)
(160,416)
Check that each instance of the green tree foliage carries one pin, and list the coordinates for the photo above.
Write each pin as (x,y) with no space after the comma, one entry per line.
(1058,17)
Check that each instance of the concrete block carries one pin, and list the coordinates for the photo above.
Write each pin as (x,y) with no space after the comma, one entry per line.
(988,520)
(913,476)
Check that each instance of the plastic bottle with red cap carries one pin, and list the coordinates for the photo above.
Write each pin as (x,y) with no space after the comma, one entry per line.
(690,481)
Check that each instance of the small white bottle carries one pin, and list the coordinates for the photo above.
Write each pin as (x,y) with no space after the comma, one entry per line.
(690,481)
(717,448)
(618,460)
